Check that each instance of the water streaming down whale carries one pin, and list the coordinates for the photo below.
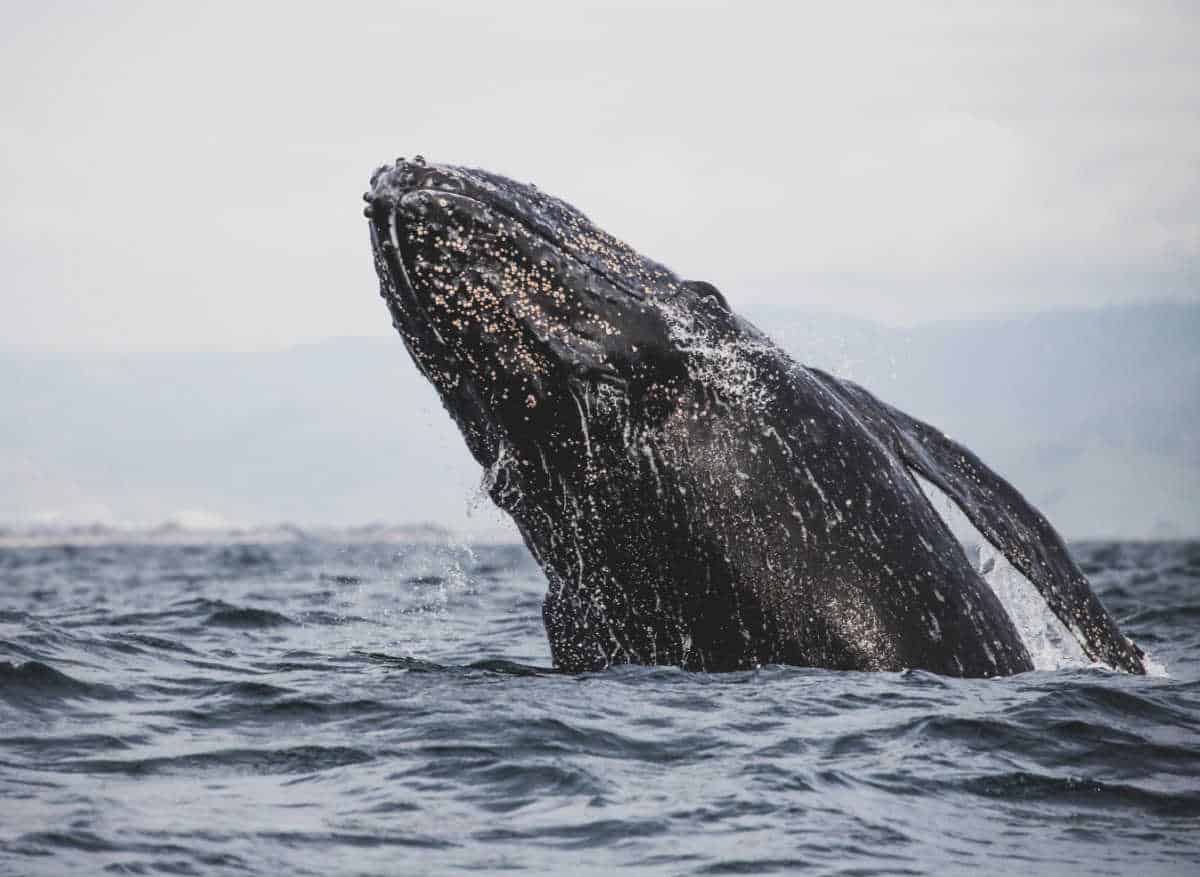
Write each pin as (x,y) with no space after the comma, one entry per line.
(695,496)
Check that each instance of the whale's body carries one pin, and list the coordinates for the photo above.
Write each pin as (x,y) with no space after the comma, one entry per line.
(694,495)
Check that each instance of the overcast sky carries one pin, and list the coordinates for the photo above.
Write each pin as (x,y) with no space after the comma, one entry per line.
(188,175)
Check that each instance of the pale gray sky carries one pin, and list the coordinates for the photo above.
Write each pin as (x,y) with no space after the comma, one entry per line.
(187,175)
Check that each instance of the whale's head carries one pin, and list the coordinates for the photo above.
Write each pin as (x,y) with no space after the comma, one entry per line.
(513,304)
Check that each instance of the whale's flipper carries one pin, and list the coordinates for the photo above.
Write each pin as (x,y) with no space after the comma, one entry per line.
(1018,530)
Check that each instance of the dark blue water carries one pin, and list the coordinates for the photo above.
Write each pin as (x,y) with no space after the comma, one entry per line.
(317,708)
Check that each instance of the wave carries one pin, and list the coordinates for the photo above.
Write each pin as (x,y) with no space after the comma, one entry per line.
(34,683)
(247,618)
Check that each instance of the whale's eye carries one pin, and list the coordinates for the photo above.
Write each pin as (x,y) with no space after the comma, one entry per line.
(706,290)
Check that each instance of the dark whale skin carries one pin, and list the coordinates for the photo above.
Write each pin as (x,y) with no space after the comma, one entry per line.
(695,496)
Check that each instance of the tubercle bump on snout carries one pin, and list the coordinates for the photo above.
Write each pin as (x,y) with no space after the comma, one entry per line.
(389,183)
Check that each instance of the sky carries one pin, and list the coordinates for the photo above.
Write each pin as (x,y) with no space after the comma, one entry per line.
(187,176)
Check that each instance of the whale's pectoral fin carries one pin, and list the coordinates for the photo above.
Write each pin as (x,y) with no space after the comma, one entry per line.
(1004,517)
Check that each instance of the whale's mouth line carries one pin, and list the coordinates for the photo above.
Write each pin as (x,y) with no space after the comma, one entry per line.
(406,292)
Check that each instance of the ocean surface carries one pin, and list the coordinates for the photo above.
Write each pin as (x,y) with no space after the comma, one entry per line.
(315,707)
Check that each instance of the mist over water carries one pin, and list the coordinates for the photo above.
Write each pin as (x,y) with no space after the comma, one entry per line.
(312,707)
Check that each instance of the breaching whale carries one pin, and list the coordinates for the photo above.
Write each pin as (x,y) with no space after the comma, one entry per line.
(694,495)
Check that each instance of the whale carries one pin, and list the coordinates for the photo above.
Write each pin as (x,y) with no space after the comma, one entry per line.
(694,495)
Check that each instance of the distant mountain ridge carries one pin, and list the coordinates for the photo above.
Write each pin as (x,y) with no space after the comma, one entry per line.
(1094,415)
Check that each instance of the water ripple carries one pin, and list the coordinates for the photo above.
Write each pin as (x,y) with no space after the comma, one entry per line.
(316,708)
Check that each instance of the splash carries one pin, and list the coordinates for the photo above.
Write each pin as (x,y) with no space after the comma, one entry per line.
(724,363)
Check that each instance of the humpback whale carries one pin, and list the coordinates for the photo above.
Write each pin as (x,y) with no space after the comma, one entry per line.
(694,495)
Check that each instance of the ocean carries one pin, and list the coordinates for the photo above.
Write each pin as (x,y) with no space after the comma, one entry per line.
(316,706)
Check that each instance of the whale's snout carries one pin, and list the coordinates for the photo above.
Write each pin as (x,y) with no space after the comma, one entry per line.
(512,294)
(389,183)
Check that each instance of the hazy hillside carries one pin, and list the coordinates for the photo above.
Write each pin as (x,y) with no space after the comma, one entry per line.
(1094,415)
